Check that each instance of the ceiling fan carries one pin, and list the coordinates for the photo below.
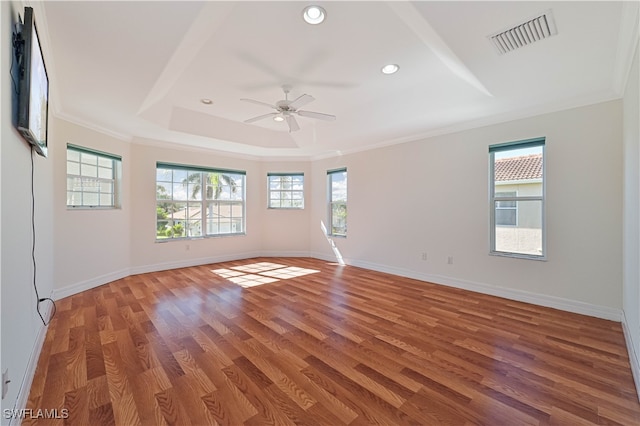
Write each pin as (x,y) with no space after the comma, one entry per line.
(285,110)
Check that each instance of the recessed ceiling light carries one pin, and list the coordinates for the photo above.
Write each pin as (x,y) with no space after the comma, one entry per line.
(206,101)
(313,14)
(278,118)
(390,69)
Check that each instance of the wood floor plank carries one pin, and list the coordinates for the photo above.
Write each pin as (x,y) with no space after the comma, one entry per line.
(322,344)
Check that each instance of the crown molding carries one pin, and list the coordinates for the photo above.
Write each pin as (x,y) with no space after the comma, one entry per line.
(628,38)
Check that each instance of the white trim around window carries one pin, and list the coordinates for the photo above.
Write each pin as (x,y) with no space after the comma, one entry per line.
(196,202)
(526,238)
(93,179)
(285,191)
(337,202)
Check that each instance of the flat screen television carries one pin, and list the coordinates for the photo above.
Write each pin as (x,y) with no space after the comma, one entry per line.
(33,97)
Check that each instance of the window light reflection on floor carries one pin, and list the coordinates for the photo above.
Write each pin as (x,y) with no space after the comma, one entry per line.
(259,273)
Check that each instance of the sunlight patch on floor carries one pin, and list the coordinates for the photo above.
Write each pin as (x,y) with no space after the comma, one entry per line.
(260,273)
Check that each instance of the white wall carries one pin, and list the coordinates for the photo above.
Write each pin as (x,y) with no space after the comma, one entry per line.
(92,245)
(631,222)
(432,196)
(146,253)
(21,327)
(285,231)
(99,246)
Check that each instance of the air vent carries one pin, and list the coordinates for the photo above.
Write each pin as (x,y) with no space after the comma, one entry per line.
(533,30)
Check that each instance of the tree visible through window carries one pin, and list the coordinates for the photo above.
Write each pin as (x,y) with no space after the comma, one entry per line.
(195,202)
(517,198)
(337,180)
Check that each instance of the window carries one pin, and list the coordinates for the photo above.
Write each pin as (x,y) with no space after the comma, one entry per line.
(337,194)
(506,211)
(196,202)
(286,190)
(93,178)
(517,199)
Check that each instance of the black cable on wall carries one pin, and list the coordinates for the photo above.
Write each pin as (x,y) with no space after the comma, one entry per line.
(33,249)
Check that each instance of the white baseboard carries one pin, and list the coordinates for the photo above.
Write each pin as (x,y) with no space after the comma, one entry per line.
(569,305)
(277,253)
(81,286)
(633,354)
(30,372)
(186,263)
(507,293)
(72,289)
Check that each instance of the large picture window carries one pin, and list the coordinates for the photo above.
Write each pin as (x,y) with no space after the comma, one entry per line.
(93,178)
(517,199)
(197,202)
(286,190)
(337,197)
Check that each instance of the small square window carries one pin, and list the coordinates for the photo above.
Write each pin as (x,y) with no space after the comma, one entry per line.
(92,178)
(286,190)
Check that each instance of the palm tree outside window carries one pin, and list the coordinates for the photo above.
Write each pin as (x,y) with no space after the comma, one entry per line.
(202,202)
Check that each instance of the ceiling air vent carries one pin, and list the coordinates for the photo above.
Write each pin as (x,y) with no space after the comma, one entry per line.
(533,30)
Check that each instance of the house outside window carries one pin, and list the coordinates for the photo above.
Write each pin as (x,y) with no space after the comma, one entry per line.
(506,211)
(93,178)
(286,190)
(194,202)
(337,198)
(517,199)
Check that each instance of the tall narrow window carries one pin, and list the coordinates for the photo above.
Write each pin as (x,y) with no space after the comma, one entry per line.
(337,195)
(517,199)
(93,178)
(286,190)
(195,202)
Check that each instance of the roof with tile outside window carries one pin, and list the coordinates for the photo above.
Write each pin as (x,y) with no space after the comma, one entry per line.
(519,168)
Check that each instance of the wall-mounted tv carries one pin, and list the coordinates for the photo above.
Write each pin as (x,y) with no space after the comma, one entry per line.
(33,97)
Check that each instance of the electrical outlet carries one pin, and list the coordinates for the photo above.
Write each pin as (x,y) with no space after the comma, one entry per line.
(424,256)
(5,383)
(450,260)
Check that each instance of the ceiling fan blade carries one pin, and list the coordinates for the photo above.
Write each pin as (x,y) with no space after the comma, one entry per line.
(300,101)
(253,101)
(318,115)
(293,124)
(260,117)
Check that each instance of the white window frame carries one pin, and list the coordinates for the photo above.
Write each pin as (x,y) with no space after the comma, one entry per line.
(503,198)
(282,192)
(78,184)
(331,202)
(493,197)
(201,202)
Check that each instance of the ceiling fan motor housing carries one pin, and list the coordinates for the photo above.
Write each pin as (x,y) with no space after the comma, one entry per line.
(283,105)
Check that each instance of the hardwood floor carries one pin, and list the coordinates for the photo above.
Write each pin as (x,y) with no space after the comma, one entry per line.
(302,341)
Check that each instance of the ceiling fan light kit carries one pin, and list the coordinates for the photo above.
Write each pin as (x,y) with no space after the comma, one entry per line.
(286,110)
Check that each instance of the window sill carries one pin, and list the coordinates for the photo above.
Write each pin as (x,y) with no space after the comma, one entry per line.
(285,208)
(204,237)
(70,208)
(518,255)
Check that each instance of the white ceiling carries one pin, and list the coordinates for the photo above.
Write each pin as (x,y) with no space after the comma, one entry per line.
(139,69)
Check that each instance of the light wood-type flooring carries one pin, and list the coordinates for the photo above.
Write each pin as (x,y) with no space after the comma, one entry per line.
(302,341)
